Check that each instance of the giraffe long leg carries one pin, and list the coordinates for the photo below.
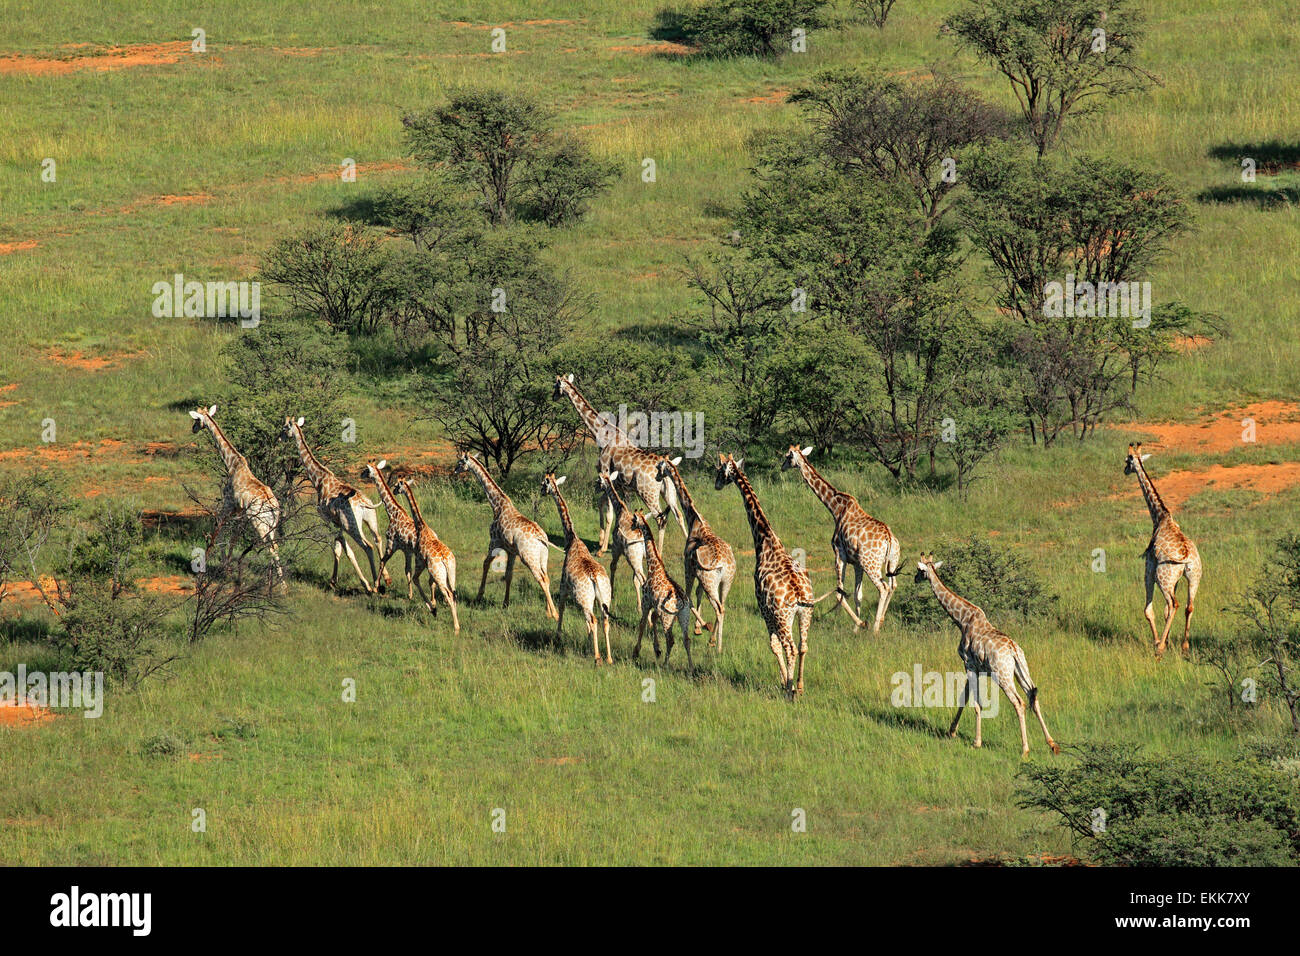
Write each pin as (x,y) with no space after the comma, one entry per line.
(640,633)
(510,573)
(805,618)
(840,566)
(613,570)
(884,597)
(609,655)
(410,574)
(1148,612)
(778,649)
(559,622)
(636,561)
(443,580)
(419,586)
(1193,572)
(371,521)
(963,697)
(857,592)
(684,621)
(1027,682)
(589,616)
(338,551)
(347,549)
(537,568)
(606,516)
(1167,578)
(487,564)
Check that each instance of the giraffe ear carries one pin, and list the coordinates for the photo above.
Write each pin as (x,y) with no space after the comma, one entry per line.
(806,451)
(212,409)
(383,463)
(569,377)
(1146,456)
(193,414)
(677,460)
(562,479)
(740,463)
(613,476)
(938,564)
(300,421)
(920,565)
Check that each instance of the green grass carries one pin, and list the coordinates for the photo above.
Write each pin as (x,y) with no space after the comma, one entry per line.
(445,730)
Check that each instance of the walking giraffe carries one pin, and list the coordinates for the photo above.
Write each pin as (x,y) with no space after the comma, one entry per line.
(782,588)
(1168,556)
(709,561)
(433,556)
(342,506)
(985,650)
(663,601)
(582,575)
(242,492)
(401,534)
(859,540)
(635,466)
(629,542)
(512,533)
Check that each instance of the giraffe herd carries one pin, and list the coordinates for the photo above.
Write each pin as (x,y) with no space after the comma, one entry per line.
(782,587)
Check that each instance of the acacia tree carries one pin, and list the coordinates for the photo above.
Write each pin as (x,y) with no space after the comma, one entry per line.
(868,265)
(1061,57)
(1065,239)
(502,144)
(879,125)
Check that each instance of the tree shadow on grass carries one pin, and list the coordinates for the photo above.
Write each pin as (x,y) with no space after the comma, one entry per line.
(1264,195)
(1270,158)
(897,718)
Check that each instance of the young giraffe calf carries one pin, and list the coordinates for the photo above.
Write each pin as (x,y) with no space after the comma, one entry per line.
(401,534)
(629,542)
(662,600)
(582,575)
(985,650)
(709,561)
(242,492)
(433,556)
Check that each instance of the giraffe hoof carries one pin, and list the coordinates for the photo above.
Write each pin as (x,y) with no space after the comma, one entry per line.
(1056,748)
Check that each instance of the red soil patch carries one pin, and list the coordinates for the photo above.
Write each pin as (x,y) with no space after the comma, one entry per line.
(1191,343)
(196,198)
(299,50)
(59,452)
(153,518)
(203,758)
(7,247)
(1177,486)
(88,363)
(1276,423)
(111,58)
(560,761)
(776,96)
(23,714)
(648,48)
(167,584)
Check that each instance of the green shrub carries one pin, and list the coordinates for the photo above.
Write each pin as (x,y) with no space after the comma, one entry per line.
(1125,809)
(738,27)
(997,579)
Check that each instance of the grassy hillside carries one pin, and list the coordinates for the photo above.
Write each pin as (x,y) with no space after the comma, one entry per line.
(197,163)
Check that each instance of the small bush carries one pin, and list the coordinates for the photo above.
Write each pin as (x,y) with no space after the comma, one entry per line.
(739,27)
(1125,809)
(996,578)
(162,745)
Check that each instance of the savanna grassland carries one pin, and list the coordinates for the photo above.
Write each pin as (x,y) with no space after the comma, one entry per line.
(173,162)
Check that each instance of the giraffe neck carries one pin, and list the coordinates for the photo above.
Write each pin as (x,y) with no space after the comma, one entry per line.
(605,432)
(497,498)
(822,488)
(563,508)
(233,459)
(1155,504)
(958,608)
(654,561)
(689,514)
(386,495)
(763,533)
(316,472)
(415,508)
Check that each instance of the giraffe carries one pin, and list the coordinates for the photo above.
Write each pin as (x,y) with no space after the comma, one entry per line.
(1169,556)
(402,534)
(242,492)
(433,556)
(985,650)
(582,576)
(635,466)
(342,506)
(709,561)
(859,540)
(782,588)
(662,601)
(628,541)
(512,533)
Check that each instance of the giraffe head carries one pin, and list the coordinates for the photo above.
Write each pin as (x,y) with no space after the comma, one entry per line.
(926,567)
(289,422)
(373,468)
(561,383)
(605,481)
(551,484)
(202,417)
(1134,457)
(639,522)
(462,463)
(794,456)
(404,485)
(728,469)
(661,466)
